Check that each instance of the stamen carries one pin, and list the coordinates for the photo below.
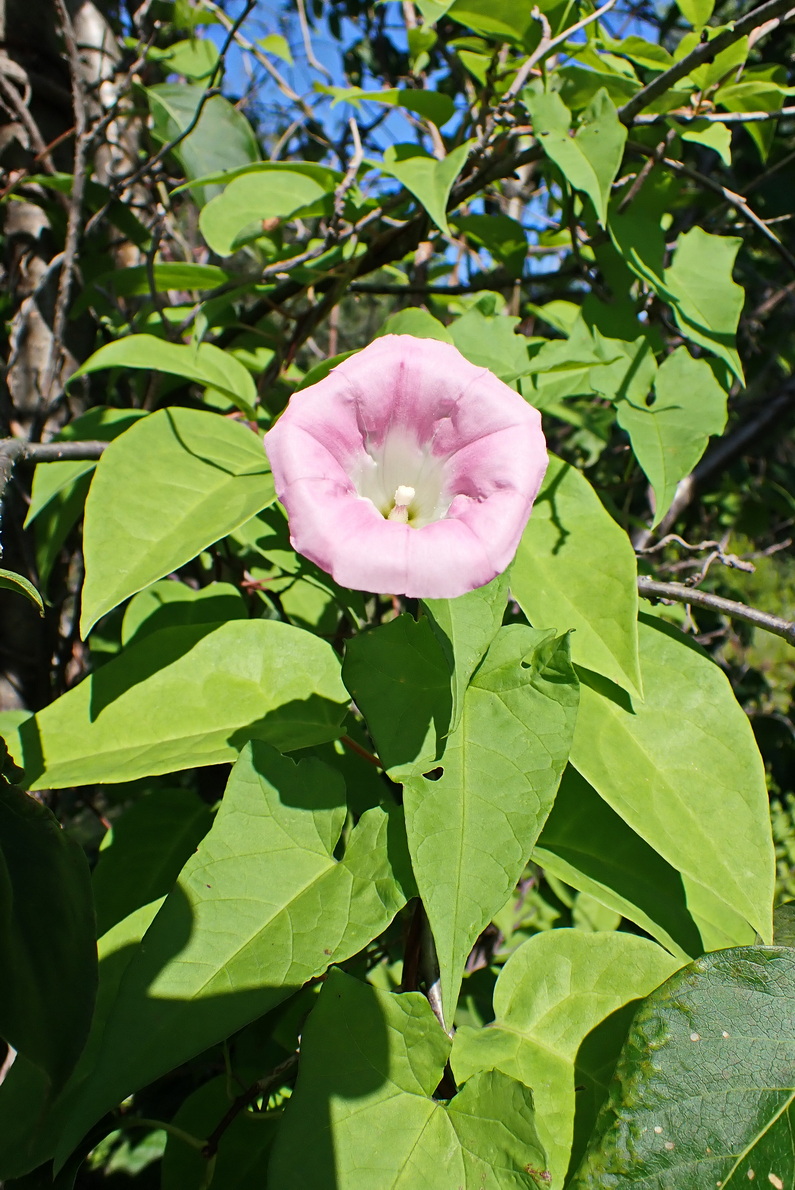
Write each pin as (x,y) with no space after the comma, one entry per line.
(403,498)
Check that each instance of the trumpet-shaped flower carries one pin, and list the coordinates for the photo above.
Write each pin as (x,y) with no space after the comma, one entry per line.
(408,470)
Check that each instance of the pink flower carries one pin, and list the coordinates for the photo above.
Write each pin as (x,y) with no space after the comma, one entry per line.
(407,470)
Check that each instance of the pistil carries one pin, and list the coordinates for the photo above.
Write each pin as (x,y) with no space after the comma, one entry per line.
(400,510)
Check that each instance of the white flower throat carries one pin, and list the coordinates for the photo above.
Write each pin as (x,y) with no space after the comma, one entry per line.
(403,479)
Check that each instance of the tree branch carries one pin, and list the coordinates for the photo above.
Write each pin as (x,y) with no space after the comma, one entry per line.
(715,117)
(706,51)
(19,450)
(679,593)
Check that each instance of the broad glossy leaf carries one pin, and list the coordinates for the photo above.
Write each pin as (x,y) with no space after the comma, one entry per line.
(196,58)
(575,568)
(683,770)
(554,991)
(472,827)
(185,697)
(11,581)
(501,18)
(432,105)
(169,604)
(46,938)
(208,472)
(221,140)
(714,1107)
(491,342)
(60,488)
(50,479)
(236,216)
(363,1118)
(670,436)
(204,363)
(135,281)
(465,627)
(587,845)
(415,321)
(429,180)
(759,91)
(591,158)
(142,855)
(262,907)
(706,301)
(712,134)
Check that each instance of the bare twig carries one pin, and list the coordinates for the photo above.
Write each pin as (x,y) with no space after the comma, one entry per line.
(259,1088)
(705,51)
(310,53)
(31,127)
(350,173)
(654,158)
(678,593)
(715,117)
(75,216)
(547,44)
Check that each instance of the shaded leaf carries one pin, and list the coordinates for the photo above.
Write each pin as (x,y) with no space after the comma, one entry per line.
(244,209)
(187,697)
(587,845)
(168,604)
(369,1059)
(10,581)
(46,938)
(715,1106)
(262,907)
(143,853)
(203,363)
(553,991)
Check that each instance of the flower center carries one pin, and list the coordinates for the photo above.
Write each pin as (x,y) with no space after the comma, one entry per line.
(404,494)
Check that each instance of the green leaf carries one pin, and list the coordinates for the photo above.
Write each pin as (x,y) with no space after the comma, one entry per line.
(587,845)
(433,10)
(136,282)
(554,991)
(417,322)
(142,855)
(697,12)
(501,18)
(221,140)
(590,159)
(363,1116)
(760,91)
(10,581)
(149,710)
(491,342)
(32,1122)
(431,105)
(504,238)
(683,770)
(715,1105)
(52,479)
(262,907)
(169,604)
(706,301)
(204,363)
(429,180)
(240,213)
(712,134)
(46,937)
(195,58)
(669,437)
(575,568)
(465,627)
(644,53)
(277,45)
(208,472)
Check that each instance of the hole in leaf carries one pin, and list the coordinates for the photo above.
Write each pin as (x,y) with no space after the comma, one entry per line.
(650,399)
(434,774)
